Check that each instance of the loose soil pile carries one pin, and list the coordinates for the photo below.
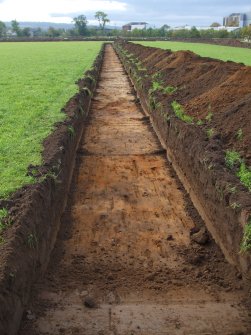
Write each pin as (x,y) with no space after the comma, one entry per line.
(206,86)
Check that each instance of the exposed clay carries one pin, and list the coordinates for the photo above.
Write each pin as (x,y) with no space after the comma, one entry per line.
(124,261)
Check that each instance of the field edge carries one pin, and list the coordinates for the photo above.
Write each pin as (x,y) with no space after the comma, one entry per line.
(35,210)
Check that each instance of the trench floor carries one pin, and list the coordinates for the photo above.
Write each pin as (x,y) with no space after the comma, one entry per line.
(124,262)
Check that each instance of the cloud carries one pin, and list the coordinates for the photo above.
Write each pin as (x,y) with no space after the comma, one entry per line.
(180,12)
(158,12)
(54,10)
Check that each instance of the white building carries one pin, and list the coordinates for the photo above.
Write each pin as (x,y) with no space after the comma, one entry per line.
(186,27)
(135,25)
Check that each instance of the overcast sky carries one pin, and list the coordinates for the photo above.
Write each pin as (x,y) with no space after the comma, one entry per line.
(156,13)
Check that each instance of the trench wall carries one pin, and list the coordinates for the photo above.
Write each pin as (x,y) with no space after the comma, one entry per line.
(35,210)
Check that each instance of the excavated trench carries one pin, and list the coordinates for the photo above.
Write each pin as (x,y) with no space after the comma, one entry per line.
(124,262)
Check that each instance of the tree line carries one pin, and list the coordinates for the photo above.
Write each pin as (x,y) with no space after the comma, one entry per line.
(81,28)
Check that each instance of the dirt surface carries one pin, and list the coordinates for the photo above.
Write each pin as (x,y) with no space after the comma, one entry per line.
(132,255)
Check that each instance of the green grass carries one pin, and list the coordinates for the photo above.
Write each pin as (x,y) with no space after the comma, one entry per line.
(36,80)
(179,112)
(246,241)
(244,174)
(239,55)
(232,158)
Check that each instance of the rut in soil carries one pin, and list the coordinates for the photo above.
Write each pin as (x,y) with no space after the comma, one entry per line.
(124,262)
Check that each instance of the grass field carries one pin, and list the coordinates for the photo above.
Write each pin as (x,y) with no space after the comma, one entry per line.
(239,55)
(36,80)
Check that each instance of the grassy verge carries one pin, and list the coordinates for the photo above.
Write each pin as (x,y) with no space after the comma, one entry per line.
(239,55)
(36,81)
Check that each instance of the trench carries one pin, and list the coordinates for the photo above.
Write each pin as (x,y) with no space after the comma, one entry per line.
(124,261)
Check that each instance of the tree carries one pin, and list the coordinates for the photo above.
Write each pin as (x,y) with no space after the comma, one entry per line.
(215,24)
(26,32)
(246,33)
(2,29)
(38,32)
(165,27)
(52,32)
(194,32)
(15,27)
(81,24)
(222,33)
(102,19)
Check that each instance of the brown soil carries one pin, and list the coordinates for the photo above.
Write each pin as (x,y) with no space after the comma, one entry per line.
(206,85)
(126,260)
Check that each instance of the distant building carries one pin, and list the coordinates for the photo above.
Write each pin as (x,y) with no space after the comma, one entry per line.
(135,25)
(186,27)
(238,20)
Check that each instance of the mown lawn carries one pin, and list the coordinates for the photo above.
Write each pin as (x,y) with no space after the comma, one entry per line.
(239,55)
(36,80)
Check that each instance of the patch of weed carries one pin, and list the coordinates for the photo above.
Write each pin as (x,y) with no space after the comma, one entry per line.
(199,122)
(4,222)
(235,205)
(232,158)
(210,132)
(179,112)
(239,134)
(246,240)
(209,117)
(71,131)
(169,89)
(244,174)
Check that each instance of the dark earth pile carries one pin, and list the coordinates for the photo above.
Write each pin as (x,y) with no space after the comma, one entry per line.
(207,88)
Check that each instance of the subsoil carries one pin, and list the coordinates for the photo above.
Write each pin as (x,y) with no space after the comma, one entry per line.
(132,255)
(204,86)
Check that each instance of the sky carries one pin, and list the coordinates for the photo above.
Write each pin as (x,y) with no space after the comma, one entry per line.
(156,13)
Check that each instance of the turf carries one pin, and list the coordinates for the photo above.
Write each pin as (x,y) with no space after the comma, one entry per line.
(36,80)
(239,55)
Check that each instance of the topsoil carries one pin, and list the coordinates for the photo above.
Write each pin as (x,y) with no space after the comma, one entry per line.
(133,255)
